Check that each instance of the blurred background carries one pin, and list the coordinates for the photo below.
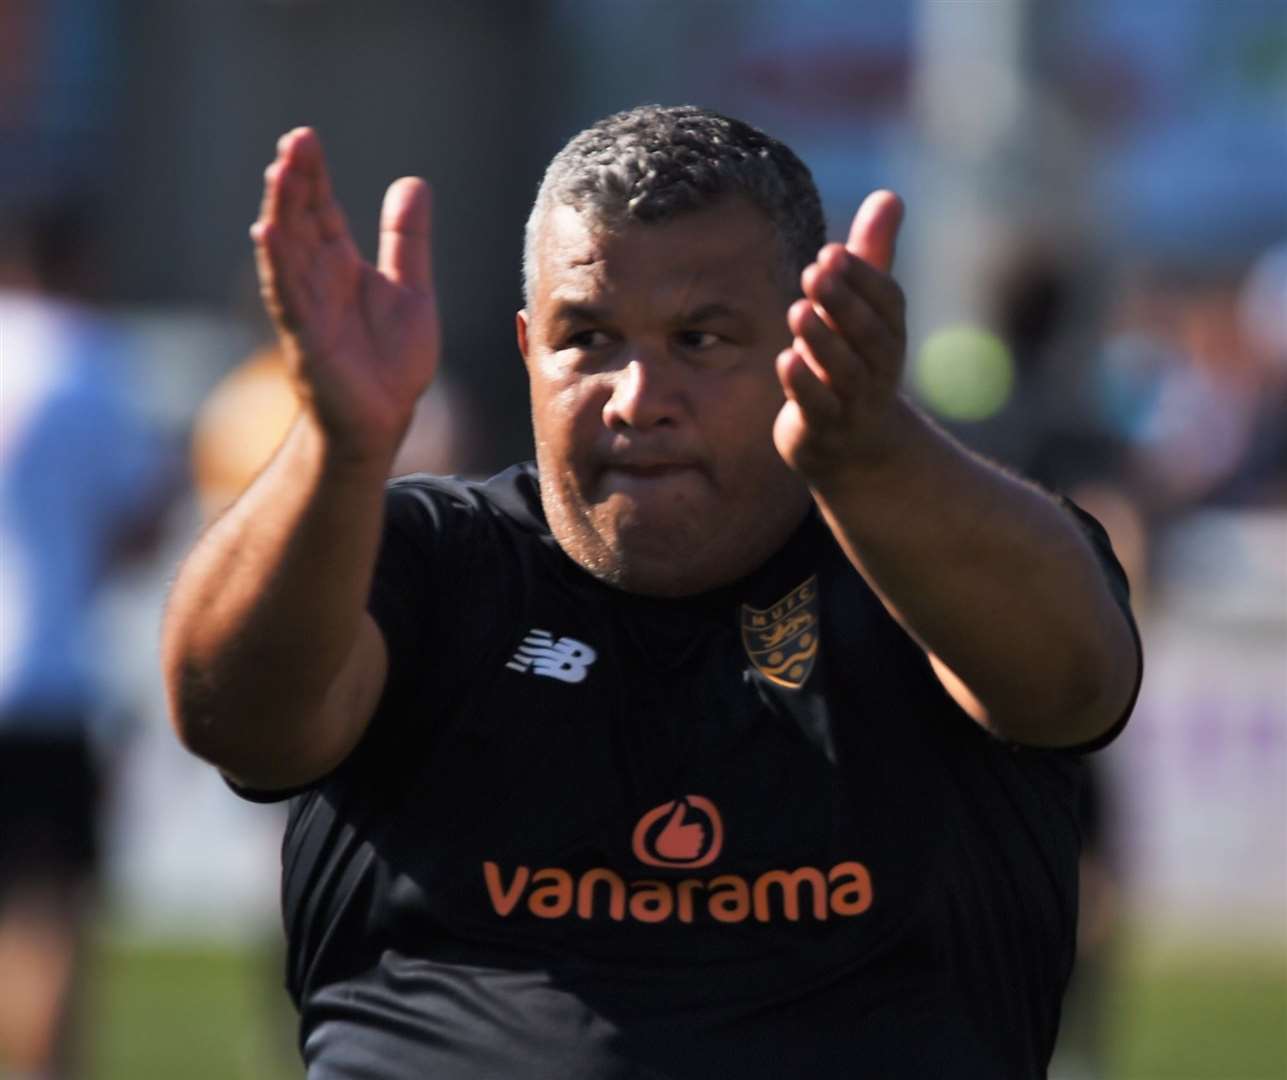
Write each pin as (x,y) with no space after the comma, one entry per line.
(1096,262)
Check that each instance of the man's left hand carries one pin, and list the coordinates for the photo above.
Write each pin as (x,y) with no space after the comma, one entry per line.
(842,372)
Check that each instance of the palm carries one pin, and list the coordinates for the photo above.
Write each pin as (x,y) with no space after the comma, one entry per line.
(362,341)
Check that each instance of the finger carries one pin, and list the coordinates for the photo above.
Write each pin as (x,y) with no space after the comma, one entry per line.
(299,153)
(880,290)
(305,150)
(404,234)
(270,207)
(264,270)
(279,280)
(270,204)
(286,195)
(873,236)
(817,403)
(860,315)
(828,354)
(279,246)
(297,218)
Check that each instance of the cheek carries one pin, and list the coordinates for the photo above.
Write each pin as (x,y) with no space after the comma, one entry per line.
(746,411)
(742,438)
(566,413)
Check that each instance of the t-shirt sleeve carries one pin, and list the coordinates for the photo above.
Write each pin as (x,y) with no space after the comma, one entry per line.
(1120,588)
(425,554)
(427,548)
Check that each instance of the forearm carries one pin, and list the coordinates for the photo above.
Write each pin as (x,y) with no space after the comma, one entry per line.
(993,578)
(267,607)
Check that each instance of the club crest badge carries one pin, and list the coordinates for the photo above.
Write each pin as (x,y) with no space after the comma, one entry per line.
(782,640)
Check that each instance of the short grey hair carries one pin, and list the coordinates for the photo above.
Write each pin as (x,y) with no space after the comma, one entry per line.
(652,163)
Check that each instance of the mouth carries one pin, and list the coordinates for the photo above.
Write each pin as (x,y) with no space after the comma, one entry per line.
(637,476)
(650,470)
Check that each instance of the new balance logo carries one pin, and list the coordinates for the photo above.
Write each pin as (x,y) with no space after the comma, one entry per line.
(565,659)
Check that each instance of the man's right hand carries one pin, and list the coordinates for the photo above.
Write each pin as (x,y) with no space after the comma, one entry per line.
(361,341)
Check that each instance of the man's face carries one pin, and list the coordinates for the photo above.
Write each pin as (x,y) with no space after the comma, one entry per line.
(650,351)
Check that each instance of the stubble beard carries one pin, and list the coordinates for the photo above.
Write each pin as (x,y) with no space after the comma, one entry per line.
(646,565)
(651,558)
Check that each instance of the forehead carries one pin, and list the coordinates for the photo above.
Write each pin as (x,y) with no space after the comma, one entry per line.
(724,252)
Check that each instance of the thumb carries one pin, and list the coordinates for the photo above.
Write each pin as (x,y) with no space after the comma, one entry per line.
(404,234)
(874,234)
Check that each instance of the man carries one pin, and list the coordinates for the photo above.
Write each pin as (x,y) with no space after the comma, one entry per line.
(70,514)
(732,738)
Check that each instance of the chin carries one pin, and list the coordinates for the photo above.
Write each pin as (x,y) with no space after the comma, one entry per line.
(650,562)
(665,576)
(677,548)
(676,562)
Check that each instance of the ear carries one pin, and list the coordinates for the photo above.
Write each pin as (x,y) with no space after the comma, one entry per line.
(520,328)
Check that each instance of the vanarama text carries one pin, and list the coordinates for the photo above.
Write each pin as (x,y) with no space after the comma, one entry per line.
(554,893)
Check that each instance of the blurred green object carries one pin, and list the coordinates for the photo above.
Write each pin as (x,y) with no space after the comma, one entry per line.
(1200,1014)
(964,373)
(162,1012)
(195,1012)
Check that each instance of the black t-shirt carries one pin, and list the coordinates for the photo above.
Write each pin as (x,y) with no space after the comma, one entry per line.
(590,835)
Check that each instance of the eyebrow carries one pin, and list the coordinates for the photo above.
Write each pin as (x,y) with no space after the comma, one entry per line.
(572,312)
(709,312)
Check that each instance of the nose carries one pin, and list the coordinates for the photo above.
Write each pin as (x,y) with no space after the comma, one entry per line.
(642,397)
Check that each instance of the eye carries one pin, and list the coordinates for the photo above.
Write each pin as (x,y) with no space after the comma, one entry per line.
(697,339)
(586,339)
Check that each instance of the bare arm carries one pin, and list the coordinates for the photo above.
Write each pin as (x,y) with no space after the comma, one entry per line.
(987,572)
(272,666)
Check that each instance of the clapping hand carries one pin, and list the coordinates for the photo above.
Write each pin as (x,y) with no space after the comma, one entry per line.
(842,371)
(361,342)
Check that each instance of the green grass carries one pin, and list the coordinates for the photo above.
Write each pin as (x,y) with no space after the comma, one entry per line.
(189,1013)
(178,1012)
(1201,1016)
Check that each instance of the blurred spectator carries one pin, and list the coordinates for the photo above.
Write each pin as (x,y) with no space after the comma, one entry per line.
(83,480)
(1262,324)
(1197,400)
